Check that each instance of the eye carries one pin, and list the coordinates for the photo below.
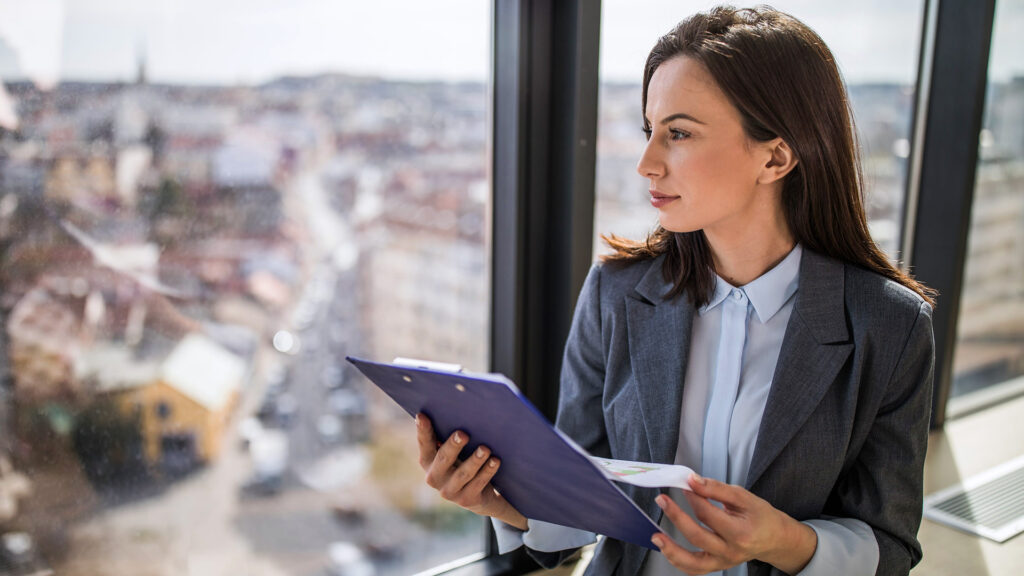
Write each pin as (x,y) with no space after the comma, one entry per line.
(646,131)
(678,134)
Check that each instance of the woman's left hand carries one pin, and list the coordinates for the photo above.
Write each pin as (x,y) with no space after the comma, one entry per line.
(745,528)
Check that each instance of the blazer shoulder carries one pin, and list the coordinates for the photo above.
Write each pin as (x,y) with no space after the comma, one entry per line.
(880,300)
(618,278)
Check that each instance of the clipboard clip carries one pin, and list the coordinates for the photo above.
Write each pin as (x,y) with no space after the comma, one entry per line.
(427,364)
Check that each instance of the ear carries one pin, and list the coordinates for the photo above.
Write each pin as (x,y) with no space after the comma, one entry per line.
(781,161)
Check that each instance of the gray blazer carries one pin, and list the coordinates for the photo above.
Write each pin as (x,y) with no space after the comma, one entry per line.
(845,427)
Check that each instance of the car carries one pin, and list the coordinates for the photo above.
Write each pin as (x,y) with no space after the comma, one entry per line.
(277,377)
(268,407)
(330,428)
(346,559)
(303,315)
(248,430)
(269,456)
(333,376)
(351,510)
(287,408)
(264,486)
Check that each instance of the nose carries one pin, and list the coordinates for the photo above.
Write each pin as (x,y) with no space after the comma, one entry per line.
(650,164)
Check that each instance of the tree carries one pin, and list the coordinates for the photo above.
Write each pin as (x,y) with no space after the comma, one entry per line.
(108,443)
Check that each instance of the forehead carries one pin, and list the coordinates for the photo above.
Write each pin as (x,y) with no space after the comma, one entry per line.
(682,84)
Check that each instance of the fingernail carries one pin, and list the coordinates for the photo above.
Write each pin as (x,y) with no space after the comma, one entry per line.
(419,421)
(458,437)
(492,463)
(657,541)
(698,479)
(480,452)
(660,500)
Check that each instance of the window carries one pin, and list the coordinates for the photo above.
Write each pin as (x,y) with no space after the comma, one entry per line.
(206,207)
(876,45)
(989,355)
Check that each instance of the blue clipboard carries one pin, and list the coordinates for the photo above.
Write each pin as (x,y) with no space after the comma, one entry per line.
(543,473)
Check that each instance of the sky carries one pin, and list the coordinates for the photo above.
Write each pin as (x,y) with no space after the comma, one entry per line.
(251,41)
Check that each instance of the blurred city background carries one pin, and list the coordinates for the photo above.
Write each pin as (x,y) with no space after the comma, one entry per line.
(193,239)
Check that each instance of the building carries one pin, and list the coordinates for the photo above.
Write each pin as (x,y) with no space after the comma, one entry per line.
(44,331)
(423,270)
(183,402)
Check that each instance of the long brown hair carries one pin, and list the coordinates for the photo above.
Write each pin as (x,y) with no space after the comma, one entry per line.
(785,83)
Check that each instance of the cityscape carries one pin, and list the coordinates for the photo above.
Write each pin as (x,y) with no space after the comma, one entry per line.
(183,270)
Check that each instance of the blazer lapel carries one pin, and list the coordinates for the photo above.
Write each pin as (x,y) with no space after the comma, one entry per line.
(814,349)
(659,342)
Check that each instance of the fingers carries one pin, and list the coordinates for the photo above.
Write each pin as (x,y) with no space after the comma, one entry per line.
(484,472)
(469,486)
(462,473)
(465,483)
(426,440)
(728,494)
(712,516)
(745,528)
(446,459)
(747,525)
(696,534)
(686,561)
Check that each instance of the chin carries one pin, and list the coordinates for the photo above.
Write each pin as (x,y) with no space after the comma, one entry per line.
(680,227)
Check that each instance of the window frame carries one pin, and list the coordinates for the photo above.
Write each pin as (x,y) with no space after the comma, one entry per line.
(948,117)
(544,134)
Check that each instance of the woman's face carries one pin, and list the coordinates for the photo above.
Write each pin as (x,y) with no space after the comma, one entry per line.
(702,168)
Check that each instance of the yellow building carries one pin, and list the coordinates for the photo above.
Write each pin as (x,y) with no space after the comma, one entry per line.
(184,403)
(187,409)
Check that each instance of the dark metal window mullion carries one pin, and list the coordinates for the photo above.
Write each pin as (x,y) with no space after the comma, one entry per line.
(545,126)
(544,137)
(954,96)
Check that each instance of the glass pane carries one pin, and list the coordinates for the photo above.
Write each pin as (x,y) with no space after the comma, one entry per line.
(204,207)
(990,330)
(876,44)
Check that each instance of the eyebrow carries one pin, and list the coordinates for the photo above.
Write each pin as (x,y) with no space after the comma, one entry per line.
(679,116)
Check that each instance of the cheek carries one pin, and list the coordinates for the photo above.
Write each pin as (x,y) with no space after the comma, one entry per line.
(700,172)
(722,171)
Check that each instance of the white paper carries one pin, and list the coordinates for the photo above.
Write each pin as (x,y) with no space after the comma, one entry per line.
(645,474)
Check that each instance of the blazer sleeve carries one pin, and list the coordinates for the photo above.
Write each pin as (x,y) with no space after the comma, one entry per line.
(580,413)
(884,485)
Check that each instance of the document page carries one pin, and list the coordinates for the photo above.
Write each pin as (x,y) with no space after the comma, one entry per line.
(645,474)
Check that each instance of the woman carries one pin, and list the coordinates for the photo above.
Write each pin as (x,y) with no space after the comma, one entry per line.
(758,336)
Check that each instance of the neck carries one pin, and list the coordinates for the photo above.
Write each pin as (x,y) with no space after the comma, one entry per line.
(743,267)
(745,253)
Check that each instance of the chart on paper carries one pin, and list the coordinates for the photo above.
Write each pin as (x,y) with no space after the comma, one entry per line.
(645,474)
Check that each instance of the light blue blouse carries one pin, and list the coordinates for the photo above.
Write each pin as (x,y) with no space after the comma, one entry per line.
(735,344)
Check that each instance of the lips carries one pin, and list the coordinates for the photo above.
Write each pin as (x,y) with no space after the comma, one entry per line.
(659,199)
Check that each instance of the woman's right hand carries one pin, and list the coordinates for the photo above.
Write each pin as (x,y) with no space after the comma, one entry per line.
(466,483)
